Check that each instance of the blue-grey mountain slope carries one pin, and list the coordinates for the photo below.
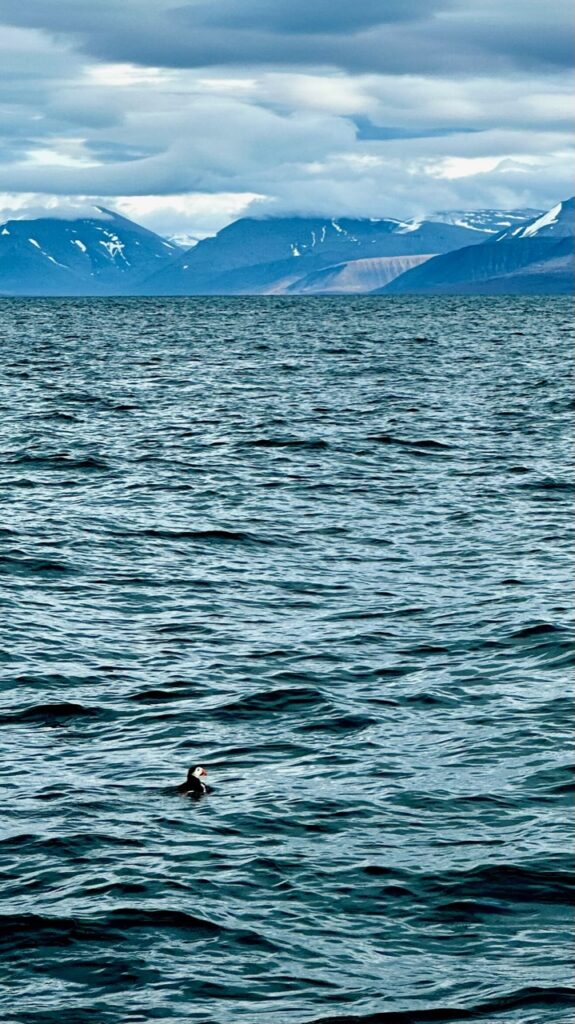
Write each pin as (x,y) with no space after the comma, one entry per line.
(355,276)
(94,255)
(534,258)
(559,222)
(104,253)
(272,255)
(554,275)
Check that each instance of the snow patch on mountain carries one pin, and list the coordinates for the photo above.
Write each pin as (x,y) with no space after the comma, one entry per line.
(551,217)
(405,227)
(490,222)
(182,241)
(114,246)
(558,222)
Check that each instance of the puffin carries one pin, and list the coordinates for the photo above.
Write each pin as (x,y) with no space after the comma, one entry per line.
(193,786)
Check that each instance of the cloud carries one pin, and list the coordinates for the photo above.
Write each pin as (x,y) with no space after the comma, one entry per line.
(372,107)
(197,215)
(325,17)
(398,36)
(310,164)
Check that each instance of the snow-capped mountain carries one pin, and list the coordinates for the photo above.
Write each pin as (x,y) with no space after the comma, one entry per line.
(100,254)
(490,222)
(271,255)
(103,253)
(534,258)
(559,222)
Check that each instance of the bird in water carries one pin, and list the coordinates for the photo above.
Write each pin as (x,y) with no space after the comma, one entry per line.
(193,786)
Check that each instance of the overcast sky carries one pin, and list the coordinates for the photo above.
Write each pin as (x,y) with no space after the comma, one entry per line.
(186,115)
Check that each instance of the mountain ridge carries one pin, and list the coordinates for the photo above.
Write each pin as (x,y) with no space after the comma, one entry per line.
(515,260)
(87,255)
(104,253)
(286,248)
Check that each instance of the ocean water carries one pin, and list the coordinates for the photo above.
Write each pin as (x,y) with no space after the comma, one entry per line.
(321,547)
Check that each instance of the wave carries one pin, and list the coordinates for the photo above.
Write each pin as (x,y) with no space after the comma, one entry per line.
(274,442)
(268,702)
(522,999)
(426,443)
(159,696)
(215,535)
(64,1015)
(342,723)
(60,461)
(548,485)
(75,845)
(10,564)
(546,644)
(50,713)
(553,781)
(545,882)
(27,931)
(510,883)
(538,629)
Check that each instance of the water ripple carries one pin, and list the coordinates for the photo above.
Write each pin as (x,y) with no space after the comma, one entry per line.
(322,547)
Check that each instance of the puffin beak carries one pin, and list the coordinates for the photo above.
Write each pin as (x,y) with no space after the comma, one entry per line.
(204,772)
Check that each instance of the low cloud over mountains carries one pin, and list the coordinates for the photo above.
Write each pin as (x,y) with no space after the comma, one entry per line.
(103,253)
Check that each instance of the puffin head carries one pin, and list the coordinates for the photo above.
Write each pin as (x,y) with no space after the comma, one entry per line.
(197,773)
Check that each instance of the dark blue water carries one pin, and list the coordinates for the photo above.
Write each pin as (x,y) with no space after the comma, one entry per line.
(322,547)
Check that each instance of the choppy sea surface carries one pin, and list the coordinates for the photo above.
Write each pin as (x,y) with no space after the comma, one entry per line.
(321,547)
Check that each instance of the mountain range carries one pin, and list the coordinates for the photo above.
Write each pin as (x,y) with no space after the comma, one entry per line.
(535,257)
(471,252)
(270,256)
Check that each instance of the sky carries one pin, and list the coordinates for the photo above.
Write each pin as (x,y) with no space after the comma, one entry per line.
(188,115)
